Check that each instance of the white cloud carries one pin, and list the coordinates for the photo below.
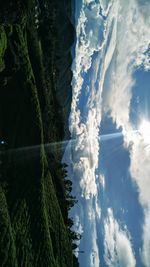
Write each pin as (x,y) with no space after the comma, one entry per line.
(140,171)
(85,223)
(117,45)
(117,244)
(102,180)
(145,255)
(131,51)
(133,33)
(85,132)
(82,157)
(92,36)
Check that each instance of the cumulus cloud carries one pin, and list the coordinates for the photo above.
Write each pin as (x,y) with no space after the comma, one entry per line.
(132,51)
(117,244)
(132,42)
(83,156)
(93,36)
(85,223)
(112,36)
(95,48)
(140,171)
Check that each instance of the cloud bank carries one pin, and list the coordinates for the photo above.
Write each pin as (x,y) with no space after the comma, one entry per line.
(93,53)
(117,244)
(112,39)
(132,42)
(132,52)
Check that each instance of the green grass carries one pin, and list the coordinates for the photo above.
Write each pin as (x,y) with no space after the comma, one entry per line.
(33,209)
(3,46)
(7,244)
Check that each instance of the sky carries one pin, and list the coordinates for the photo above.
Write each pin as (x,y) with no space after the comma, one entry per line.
(109,123)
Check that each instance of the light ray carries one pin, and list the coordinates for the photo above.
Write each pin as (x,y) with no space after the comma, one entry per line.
(107,137)
(31,152)
(60,144)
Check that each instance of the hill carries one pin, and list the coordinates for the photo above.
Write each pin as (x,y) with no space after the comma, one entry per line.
(35,97)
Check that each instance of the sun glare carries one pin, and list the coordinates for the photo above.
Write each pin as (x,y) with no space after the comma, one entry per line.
(144,131)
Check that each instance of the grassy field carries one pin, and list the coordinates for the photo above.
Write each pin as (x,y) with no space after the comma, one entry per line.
(34,228)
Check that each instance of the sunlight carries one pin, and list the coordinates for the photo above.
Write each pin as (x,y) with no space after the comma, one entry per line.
(144,131)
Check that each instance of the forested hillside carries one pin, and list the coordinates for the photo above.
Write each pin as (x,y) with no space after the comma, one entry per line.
(35,96)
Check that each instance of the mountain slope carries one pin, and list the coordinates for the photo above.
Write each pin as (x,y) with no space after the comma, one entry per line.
(33,221)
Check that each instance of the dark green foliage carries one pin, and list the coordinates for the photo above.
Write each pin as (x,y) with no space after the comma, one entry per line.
(7,243)
(34,195)
(3,46)
(75,261)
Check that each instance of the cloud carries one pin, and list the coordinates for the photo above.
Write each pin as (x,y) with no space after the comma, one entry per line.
(131,52)
(85,223)
(117,244)
(93,36)
(85,128)
(146,238)
(95,47)
(140,172)
(112,38)
(82,157)
(102,180)
(132,42)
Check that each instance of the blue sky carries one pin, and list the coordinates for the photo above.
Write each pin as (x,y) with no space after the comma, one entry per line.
(111,80)
(120,193)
